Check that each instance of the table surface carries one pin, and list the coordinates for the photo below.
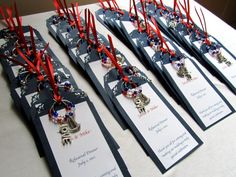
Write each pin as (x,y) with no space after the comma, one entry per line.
(215,158)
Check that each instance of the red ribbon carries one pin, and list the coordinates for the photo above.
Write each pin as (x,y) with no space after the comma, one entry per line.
(91,25)
(32,41)
(50,74)
(158,32)
(145,17)
(114,59)
(56,5)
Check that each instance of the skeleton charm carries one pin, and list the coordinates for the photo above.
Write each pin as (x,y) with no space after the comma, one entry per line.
(181,69)
(130,90)
(215,51)
(141,101)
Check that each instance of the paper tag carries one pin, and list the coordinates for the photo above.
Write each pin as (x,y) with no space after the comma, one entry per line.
(164,133)
(204,100)
(128,26)
(227,71)
(88,154)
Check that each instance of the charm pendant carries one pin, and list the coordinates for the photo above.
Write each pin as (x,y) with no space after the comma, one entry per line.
(65,134)
(141,101)
(73,125)
(130,90)
(215,51)
(172,24)
(222,59)
(67,123)
(182,71)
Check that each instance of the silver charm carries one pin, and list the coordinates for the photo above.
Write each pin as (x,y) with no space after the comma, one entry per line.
(65,134)
(182,71)
(73,125)
(140,100)
(219,56)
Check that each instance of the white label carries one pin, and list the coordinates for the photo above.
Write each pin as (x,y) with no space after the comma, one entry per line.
(204,100)
(88,154)
(164,133)
(128,26)
(54,27)
(227,71)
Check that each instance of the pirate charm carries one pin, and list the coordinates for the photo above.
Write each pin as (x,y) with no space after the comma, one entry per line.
(182,71)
